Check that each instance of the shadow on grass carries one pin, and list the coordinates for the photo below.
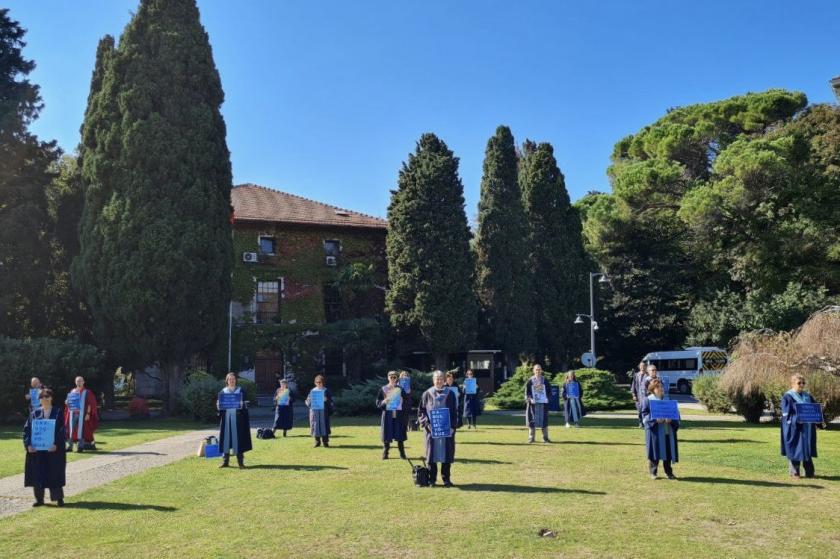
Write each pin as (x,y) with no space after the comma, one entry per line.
(124,453)
(751,482)
(479,461)
(493,443)
(600,443)
(102,505)
(356,446)
(720,441)
(298,467)
(507,488)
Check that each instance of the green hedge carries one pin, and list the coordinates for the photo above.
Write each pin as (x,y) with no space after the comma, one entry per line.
(197,398)
(360,398)
(708,392)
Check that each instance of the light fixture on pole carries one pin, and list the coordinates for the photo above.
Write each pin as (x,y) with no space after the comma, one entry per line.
(593,325)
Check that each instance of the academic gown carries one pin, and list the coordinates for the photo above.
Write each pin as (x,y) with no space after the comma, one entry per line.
(660,438)
(284,416)
(241,443)
(799,440)
(432,399)
(472,403)
(639,388)
(393,425)
(45,469)
(407,405)
(458,392)
(573,408)
(319,420)
(89,408)
(536,415)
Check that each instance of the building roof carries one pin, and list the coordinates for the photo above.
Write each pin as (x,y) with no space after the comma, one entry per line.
(252,202)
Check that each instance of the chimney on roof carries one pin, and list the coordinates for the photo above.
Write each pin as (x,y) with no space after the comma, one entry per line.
(835,85)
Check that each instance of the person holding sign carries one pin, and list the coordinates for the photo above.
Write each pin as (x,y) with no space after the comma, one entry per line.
(234,422)
(453,387)
(81,417)
(472,399)
(438,416)
(46,460)
(660,432)
(35,387)
(392,426)
(799,436)
(320,409)
(572,400)
(536,399)
(408,399)
(284,415)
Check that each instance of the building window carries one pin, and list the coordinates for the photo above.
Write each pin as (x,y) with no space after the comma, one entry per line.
(332,248)
(268,244)
(268,302)
(332,302)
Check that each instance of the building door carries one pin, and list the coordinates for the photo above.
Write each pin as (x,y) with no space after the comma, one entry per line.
(265,366)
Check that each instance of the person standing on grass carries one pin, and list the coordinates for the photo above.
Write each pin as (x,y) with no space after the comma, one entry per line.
(392,425)
(453,387)
(572,405)
(536,400)
(319,415)
(45,469)
(408,398)
(637,389)
(799,440)
(438,450)
(35,386)
(81,417)
(234,425)
(660,434)
(472,402)
(652,373)
(284,414)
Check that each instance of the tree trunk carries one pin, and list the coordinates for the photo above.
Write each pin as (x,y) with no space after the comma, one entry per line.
(174,376)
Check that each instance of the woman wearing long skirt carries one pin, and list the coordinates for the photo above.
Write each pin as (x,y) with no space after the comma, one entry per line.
(438,450)
(45,468)
(536,400)
(660,434)
(472,402)
(234,425)
(799,440)
(320,409)
(572,400)
(408,398)
(392,426)
(284,414)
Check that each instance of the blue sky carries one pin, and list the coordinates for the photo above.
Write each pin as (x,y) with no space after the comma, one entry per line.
(326,99)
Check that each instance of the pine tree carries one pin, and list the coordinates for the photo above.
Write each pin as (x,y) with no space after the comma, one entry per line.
(502,272)
(430,266)
(156,248)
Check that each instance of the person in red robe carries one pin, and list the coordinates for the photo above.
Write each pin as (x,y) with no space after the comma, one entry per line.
(81,417)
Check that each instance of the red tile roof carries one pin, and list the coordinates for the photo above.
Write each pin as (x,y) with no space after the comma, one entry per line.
(252,202)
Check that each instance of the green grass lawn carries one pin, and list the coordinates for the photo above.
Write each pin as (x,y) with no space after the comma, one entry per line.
(111,435)
(734,499)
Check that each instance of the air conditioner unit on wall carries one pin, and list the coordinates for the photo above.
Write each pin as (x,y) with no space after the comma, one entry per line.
(249,257)
(331,261)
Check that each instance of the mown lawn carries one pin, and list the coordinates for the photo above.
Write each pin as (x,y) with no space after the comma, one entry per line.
(734,499)
(111,435)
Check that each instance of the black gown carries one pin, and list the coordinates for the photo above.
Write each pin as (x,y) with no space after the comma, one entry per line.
(45,470)
(243,430)
(284,416)
(393,425)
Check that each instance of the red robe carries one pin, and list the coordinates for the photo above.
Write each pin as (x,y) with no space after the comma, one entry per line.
(89,424)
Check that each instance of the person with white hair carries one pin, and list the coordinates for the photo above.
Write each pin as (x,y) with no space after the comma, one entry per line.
(440,446)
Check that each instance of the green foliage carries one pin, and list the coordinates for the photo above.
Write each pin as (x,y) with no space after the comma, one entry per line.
(599,390)
(250,389)
(511,394)
(750,406)
(55,362)
(197,398)
(708,392)
(359,399)
(430,266)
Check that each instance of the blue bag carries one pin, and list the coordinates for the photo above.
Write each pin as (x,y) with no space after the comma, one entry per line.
(211,449)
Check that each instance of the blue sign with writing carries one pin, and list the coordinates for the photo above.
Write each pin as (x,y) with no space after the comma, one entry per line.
(441,426)
(554,399)
(283,398)
(470,386)
(74,400)
(43,433)
(538,390)
(394,399)
(664,409)
(573,390)
(316,400)
(34,402)
(405,384)
(809,413)
(230,400)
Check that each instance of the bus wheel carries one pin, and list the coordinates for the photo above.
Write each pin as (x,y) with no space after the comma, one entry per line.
(684,387)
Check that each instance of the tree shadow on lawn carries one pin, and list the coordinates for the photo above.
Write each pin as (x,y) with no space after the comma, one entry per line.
(299,467)
(122,453)
(357,446)
(507,488)
(102,505)
(722,441)
(752,482)
(479,461)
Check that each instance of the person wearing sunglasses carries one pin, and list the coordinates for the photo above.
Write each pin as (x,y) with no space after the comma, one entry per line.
(45,469)
(799,440)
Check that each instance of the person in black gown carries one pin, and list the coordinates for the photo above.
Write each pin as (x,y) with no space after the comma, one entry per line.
(438,450)
(284,407)
(45,469)
(392,426)
(234,426)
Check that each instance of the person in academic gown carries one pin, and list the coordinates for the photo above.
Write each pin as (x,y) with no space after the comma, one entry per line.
(456,390)
(392,425)
(45,469)
(660,434)
(799,440)
(637,389)
(234,426)
(536,414)
(438,451)
(408,398)
(81,424)
(284,410)
(472,402)
(573,408)
(319,420)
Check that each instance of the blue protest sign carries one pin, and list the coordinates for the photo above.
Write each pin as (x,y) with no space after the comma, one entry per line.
(43,433)
(664,409)
(230,400)
(554,399)
(74,400)
(283,398)
(405,384)
(394,399)
(441,426)
(538,390)
(470,386)
(34,402)
(809,413)
(316,400)
(573,390)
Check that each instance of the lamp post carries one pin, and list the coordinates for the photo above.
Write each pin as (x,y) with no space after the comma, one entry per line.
(593,325)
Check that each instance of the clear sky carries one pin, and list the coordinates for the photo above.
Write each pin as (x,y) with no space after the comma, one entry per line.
(326,99)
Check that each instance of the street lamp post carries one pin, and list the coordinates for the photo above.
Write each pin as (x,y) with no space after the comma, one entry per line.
(593,325)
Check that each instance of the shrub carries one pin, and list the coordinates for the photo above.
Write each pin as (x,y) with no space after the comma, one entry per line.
(749,405)
(511,394)
(138,408)
(358,399)
(708,392)
(599,390)
(250,389)
(197,398)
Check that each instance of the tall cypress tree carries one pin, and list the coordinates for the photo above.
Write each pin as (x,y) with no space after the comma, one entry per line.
(156,247)
(558,260)
(430,266)
(502,271)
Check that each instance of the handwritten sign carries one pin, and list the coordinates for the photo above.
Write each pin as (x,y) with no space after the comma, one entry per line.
(283,398)
(393,400)
(316,400)
(664,409)
(405,384)
(441,427)
(34,402)
(43,433)
(470,386)
(230,400)
(573,390)
(809,413)
(74,400)
(540,397)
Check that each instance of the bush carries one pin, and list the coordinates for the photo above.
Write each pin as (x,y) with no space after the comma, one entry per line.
(250,389)
(511,394)
(750,405)
(197,398)
(55,362)
(138,408)
(358,399)
(599,390)
(708,392)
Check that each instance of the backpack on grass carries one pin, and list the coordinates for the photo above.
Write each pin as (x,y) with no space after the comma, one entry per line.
(420,474)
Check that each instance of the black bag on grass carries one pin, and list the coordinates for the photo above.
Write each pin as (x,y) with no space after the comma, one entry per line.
(265,433)
(420,474)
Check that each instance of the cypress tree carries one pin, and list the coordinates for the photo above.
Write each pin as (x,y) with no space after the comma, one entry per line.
(155,255)
(430,266)
(502,271)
